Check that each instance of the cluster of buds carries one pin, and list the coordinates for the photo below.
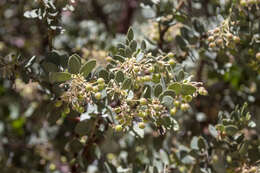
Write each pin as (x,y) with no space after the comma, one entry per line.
(222,35)
(114,90)
(79,92)
(145,110)
(144,69)
(141,110)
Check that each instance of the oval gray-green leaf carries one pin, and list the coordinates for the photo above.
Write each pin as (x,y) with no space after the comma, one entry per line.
(187,89)
(120,45)
(86,69)
(119,76)
(128,52)
(59,77)
(147,91)
(157,90)
(119,58)
(167,92)
(133,45)
(213,131)
(143,45)
(194,143)
(243,148)
(180,75)
(202,143)
(83,127)
(130,34)
(126,84)
(74,64)
(231,129)
(104,74)
(50,67)
(167,101)
(176,87)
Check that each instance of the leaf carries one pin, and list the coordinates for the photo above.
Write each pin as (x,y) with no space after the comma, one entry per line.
(252,124)
(164,156)
(147,91)
(58,58)
(110,168)
(180,75)
(198,26)
(128,52)
(176,87)
(120,45)
(84,127)
(213,131)
(185,33)
(167,101)
(180,18)
(176,125)
(133,45)
(188,160)
(130,95)
(59,77)
(81,128)
(184,89)
(75,146)
(86,69)
(30,62)
(121,52)
(31,14)
(126,84)
(181,42)
(119,58)
(143,45)
(167,92)
(119,76)
(49,67)
(187,89)
(137,131)
(74,64)
(231,129)
(201,143)
(157,90)
(194,143)
(244,148)
(130,34)
(104,74)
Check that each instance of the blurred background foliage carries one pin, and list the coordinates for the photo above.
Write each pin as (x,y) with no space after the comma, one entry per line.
(36,138)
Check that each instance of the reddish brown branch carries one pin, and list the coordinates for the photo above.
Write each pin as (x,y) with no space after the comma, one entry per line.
(127,15)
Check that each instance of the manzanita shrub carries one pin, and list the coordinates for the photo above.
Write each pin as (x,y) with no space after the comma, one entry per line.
(137,86)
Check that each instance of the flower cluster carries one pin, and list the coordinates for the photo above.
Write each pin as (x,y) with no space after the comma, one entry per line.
(144,70)
(153,110)
(79,92)
(223,36)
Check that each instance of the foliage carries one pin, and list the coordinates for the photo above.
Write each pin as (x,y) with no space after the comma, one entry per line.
(169,86)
